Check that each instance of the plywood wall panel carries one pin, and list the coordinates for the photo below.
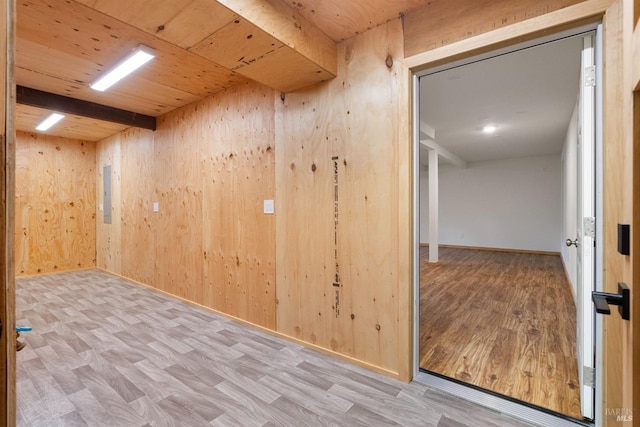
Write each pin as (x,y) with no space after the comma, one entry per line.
(238,175)
(618,198)
(138,194)
(209,166)
(55,204)
(346,131)
(179,189)
(441,23)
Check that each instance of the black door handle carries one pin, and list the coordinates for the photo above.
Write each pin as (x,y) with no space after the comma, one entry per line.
(622,299)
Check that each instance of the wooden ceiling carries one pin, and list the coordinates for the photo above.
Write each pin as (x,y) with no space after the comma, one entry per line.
(202,47)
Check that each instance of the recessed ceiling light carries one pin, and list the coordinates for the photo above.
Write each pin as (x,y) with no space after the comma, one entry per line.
(49,121)
(136,59)
(489,129)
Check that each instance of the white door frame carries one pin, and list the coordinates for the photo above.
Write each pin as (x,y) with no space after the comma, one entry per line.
(585,247)
(486,398)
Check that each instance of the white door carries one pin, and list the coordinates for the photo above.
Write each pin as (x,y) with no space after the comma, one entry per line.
(586,228)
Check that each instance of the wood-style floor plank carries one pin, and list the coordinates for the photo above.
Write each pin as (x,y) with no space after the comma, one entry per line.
(108,352)
(503,321)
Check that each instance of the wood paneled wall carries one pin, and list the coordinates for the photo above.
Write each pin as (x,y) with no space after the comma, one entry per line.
(441,23)
(54,204)
(209,166)
(7,184)
(619,195)
(341,149)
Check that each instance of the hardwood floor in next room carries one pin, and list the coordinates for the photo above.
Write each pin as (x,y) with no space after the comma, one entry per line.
(108,352)
(503,321)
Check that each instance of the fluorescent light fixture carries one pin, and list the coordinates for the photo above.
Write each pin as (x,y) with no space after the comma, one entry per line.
(489,129)
(49,121)
(136,59)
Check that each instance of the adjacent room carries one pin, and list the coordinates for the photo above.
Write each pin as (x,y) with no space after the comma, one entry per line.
(498,295)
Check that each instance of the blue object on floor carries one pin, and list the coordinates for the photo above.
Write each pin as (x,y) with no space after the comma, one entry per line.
(23,328)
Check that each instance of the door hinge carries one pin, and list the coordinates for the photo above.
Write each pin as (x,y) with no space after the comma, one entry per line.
(589,227)
(590,75)
(589,376)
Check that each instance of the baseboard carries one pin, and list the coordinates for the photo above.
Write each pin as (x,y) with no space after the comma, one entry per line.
(571,288)
(340,356)
(484,248)
(47,273)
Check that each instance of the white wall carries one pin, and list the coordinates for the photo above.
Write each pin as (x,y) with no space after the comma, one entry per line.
(569,198)
(508,204)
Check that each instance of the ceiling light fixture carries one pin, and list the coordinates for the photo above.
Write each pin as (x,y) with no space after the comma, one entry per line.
(49,121)
(489,129)
(136,59)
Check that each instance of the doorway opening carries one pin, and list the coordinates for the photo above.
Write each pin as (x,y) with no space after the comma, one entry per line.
(507,201)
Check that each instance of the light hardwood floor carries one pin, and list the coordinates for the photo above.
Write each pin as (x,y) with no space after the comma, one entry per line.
(502,321)
(107,352)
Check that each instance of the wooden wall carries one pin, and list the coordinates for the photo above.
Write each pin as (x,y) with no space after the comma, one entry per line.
(209,166)
(7,184)
(620,157)
(341,149)
(54,204)
(442,23)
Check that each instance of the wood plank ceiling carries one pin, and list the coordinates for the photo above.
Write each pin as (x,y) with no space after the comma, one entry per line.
(202,47)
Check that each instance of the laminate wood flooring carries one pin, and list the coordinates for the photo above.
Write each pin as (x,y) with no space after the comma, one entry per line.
(502,321)
(108,352)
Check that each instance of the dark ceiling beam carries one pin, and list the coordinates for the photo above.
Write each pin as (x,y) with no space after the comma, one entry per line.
(64,104)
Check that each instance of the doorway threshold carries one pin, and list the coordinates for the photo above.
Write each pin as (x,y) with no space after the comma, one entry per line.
(505,406)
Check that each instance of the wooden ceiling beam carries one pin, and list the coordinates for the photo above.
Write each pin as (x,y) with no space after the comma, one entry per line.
(277,19)
(64,104)
(297,52)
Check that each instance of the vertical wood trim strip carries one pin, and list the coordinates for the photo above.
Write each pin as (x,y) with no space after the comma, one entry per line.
(7,345)
(405,224)
(635,235)
(4,351)
(635,294)
(615,206)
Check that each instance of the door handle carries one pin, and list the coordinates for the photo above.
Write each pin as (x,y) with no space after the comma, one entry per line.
(570,243)
(622,299)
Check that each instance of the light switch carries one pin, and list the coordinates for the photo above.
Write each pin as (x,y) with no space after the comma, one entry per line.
(156,207)
(100,207)
(269,207)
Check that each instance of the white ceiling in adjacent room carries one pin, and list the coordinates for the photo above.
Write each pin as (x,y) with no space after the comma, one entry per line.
(528,95)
